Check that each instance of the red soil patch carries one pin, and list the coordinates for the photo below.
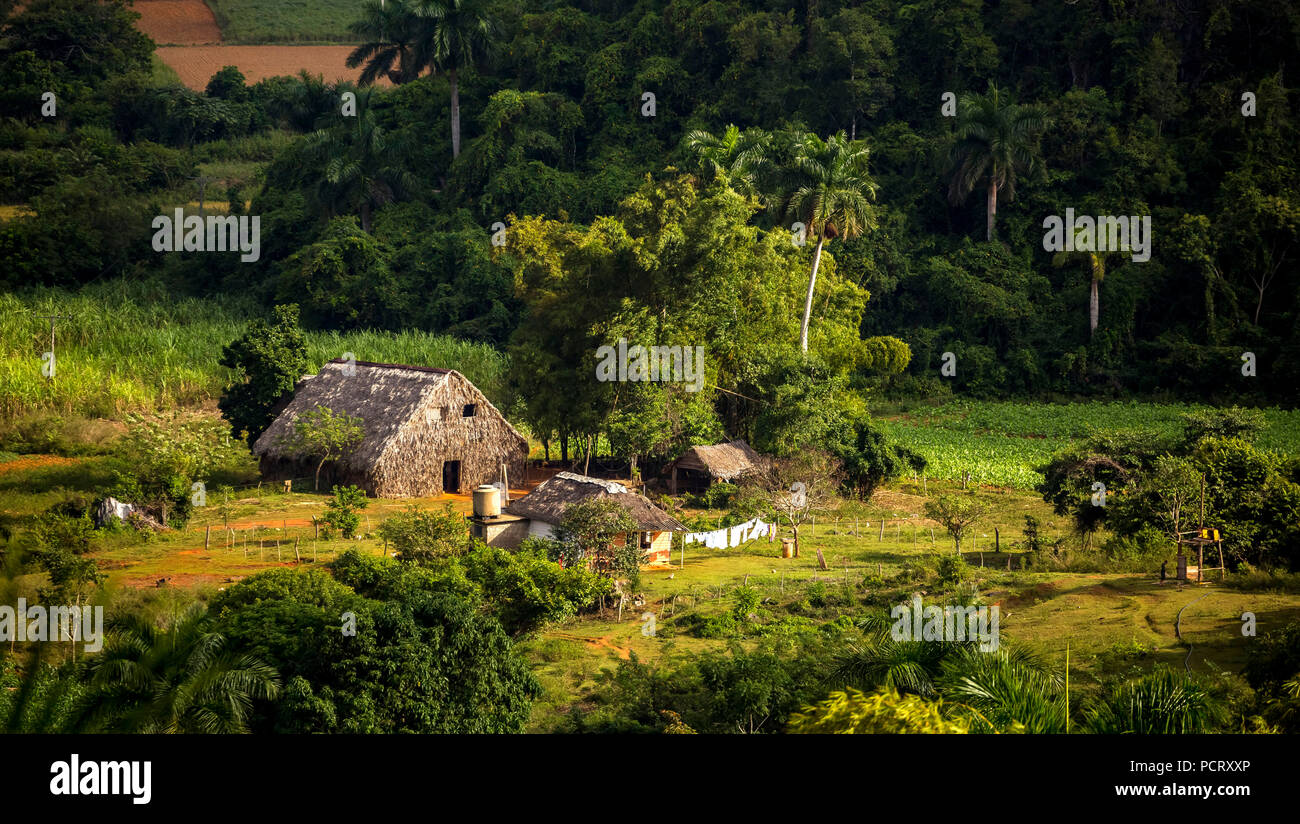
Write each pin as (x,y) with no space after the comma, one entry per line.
(197,64)
(26,462)
(601,642)
(177,21)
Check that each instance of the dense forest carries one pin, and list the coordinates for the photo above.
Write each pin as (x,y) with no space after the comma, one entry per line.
(1180,112)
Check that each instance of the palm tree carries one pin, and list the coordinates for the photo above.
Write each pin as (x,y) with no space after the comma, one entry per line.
(179,680)
(996,139)
(1097,269)
(395,43)
(830,192)
(461,34)
(1162,702)
(43,698)
(1008,689)
(911,666)
(741,156)
(362,167)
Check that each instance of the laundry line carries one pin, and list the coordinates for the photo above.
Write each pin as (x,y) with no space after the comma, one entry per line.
(732,536)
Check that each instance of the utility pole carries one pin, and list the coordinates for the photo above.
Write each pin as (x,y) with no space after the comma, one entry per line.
(49,370)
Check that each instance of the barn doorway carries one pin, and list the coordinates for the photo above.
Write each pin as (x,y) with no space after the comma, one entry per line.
(451,476)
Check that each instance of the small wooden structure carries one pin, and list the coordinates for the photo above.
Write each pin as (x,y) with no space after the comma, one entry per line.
(700,466)
(1201,537)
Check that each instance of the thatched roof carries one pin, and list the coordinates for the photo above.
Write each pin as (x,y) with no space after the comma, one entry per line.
(388,397)
(724,461)
(549,501)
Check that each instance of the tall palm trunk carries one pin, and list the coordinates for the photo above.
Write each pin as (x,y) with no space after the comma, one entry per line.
(807,304)
(455,114)
(992,207)
(1094,308)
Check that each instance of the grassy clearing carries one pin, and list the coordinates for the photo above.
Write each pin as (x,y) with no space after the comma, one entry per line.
(1005,443)
(285,21)
(131,347)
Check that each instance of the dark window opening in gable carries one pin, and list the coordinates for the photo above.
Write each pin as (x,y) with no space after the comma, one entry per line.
(469,410)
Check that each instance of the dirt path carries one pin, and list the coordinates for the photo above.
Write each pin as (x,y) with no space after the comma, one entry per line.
(177,22)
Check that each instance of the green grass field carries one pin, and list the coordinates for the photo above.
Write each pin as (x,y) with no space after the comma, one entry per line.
(1003,443)
(286,21)
(126,347)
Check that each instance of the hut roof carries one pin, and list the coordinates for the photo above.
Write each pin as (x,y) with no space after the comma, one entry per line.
(724,461)
(384,395)
(549,501)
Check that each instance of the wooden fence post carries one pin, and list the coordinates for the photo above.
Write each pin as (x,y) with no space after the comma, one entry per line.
(207,536)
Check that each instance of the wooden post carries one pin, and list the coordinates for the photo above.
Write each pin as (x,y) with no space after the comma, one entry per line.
(316,524)
(931,536)
(207,536)
(882,530)
(997,540)
(296,556)
(1008,563)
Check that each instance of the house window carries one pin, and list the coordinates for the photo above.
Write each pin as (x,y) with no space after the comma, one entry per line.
(469,410)
(647,538)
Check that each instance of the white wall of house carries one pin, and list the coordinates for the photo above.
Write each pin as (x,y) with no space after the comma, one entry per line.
(540,529)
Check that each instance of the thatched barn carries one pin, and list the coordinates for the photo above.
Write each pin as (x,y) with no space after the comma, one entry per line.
(698,467)
(544,509)
(427,431)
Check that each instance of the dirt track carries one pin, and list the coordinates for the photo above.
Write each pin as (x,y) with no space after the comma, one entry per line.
(177,21)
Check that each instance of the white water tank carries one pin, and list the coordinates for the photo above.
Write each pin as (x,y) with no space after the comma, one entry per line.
(487,501)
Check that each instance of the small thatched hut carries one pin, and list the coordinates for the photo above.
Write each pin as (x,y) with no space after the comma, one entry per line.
(698,467)
(427,431)
(545,506)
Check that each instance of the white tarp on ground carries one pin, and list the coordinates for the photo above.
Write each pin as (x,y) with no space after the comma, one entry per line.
(111,509)
(731,536)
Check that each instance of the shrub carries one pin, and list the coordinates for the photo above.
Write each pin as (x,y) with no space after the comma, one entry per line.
(852,711)
(341,511)
(424,536)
